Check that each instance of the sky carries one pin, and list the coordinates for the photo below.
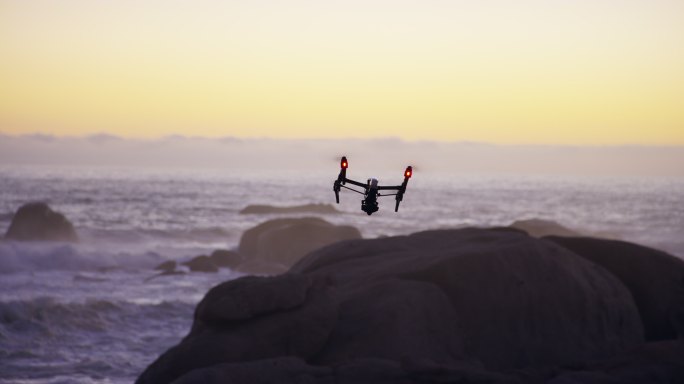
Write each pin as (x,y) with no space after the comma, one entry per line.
(599,72)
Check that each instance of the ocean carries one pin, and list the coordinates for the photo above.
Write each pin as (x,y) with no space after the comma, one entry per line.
(89,312)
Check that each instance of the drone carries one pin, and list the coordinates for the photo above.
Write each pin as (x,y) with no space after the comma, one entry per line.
(371,189)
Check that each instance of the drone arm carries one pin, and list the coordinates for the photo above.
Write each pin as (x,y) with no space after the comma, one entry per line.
(353,182)
(402,189)
(389,187)
(338,183)
(354,190)
(400,195)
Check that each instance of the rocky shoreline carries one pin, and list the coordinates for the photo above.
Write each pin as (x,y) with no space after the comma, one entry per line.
(469,306)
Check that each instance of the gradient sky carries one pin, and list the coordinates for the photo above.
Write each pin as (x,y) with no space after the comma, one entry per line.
(536,72)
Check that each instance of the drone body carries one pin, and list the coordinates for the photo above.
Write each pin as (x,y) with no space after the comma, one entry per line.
(371,189)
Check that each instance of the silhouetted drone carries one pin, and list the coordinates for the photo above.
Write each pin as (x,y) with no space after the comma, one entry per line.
(369,204)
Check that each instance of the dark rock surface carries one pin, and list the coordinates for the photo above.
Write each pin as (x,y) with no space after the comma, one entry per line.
(201,263)
(409,319)
(293,370)
(657,362)
(38,222)
(285,241)
(305,208)
(272,371)
(470,305)
(655,279)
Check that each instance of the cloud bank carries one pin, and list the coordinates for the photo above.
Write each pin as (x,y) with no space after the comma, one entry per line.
(389,154)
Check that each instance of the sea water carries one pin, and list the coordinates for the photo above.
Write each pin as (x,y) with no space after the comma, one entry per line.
(89,312)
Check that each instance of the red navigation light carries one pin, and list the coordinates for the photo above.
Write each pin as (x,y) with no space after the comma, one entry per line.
(408,172)
(344,163)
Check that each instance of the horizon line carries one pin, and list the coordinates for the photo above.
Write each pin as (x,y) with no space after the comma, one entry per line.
(175,136)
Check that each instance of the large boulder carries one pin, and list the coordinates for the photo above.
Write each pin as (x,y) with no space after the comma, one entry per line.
(436,306)
(38,222)
(252,318)
(655,279)
(518,301)
(285,241)
(225,258)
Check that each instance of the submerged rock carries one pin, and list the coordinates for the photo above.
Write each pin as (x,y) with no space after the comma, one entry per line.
(165,273)
(436,306)
(201,263)
(37,221)
(285,241)
(167,266)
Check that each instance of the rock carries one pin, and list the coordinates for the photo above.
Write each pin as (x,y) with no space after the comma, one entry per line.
(654,278)
(436,306)
(283,370)
(285,241)
(283,324)
(512,294)
(306,208)
(37,221)
(541,228)
(252,296)
(226,259)
(370,371)
(403,324)
(201,263)
(653,363)
(167,266)
(286,370)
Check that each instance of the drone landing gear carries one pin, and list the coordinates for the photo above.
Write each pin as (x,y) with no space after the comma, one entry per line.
(368,207)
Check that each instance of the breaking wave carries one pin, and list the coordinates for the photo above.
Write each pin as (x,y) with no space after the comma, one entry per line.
(23,256)
(152,235)
(39,330)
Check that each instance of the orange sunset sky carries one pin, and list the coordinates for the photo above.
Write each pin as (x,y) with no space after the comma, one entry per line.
(602,72)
